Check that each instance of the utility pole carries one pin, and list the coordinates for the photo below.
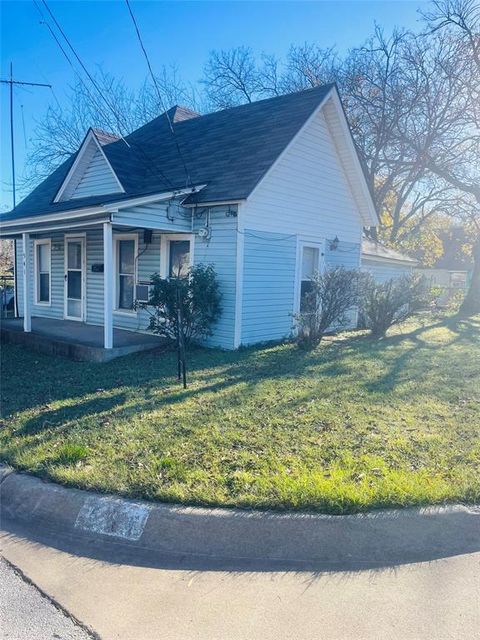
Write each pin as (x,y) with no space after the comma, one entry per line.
(12,82)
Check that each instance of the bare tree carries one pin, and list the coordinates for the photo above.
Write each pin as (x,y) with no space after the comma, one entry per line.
(231,78)
(309,66)
(60,132)
(6,257)
(447,113)
(372,82)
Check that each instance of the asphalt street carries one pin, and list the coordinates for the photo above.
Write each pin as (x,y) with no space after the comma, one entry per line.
(26,614)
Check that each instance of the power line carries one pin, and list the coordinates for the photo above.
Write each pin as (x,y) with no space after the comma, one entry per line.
(148,160)
(154,80)
(89,75)
(23,125)
(67,58)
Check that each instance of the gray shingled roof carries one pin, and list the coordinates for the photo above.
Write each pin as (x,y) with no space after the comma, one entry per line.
(228,150)
(372,250)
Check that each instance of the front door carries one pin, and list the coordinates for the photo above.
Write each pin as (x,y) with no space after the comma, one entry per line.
(74,278)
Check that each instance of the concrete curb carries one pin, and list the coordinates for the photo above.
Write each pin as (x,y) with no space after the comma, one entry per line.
(377,539)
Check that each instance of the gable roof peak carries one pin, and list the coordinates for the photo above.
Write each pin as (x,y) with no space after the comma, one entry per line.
(104,137)
(177,113)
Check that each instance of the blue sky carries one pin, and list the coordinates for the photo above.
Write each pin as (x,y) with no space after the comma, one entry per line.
(180,33)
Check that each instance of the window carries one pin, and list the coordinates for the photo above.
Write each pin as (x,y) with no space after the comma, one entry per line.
(310,264)
(42,271)
(176,254)
(126,258)
(179,258)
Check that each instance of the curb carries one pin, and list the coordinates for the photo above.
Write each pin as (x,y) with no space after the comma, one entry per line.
(377,539)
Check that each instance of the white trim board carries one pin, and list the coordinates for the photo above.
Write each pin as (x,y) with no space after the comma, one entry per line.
(116,238)
(165,249)
(82,236)
(316,243)
(36,273)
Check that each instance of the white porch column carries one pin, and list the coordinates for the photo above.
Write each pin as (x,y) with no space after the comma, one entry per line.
(27,309)
(107,285)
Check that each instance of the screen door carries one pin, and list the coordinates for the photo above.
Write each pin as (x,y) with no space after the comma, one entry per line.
(74,278)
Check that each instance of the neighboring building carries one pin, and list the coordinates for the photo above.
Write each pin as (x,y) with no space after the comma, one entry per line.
(449,282)
(384,263)
(259,191)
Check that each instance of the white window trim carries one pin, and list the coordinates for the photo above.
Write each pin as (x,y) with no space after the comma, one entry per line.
(36,277)
(314,244)
(83,237)
(116,238)
(165,239)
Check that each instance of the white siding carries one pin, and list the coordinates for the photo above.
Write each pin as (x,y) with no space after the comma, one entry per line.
(97,179)
(268,286)
(383,271)
(154,216)
(306,192)
(305,196)
(55,308)
(220,251)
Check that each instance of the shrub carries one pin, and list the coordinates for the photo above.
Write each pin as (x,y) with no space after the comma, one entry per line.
(191,303)
(325,307)
(384,304)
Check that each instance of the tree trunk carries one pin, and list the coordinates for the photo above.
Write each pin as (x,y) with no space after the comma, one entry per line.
(471,303)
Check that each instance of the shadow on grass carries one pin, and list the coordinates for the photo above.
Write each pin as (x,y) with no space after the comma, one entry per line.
(212,371)
(62,418)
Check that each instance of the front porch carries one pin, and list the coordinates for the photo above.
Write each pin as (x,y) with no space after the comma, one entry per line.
(76,340)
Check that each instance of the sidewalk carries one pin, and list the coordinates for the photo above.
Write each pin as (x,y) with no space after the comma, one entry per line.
(437,600)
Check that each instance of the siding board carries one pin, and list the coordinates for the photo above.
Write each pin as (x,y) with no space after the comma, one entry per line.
(220,250)
(383,271)
(305,196)
(97,179)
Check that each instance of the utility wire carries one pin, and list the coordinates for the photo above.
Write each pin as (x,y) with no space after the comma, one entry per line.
(148,160)
(89,75)
(154,80)
(23,126)
(68,59)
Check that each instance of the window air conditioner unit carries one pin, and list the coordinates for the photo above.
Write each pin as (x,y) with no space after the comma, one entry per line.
(142,292)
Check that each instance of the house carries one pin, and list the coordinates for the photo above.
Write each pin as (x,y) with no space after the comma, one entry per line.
(384,263)
(448,282)
(260,191)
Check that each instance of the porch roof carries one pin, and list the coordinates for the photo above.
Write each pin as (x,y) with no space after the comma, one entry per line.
(82,217)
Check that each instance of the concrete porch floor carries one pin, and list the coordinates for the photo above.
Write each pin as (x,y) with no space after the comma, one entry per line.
(76,340)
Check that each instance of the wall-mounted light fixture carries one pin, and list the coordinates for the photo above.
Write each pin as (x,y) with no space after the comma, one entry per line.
(334,244)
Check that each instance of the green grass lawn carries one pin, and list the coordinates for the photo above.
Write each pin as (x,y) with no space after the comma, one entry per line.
(351,426)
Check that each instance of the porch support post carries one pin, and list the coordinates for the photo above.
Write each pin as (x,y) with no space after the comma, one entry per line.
(27,313)
(107,285)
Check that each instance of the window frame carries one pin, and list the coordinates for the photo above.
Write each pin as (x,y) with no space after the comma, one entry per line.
(165,240)
(117,238)
(301,244)
(36,266)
